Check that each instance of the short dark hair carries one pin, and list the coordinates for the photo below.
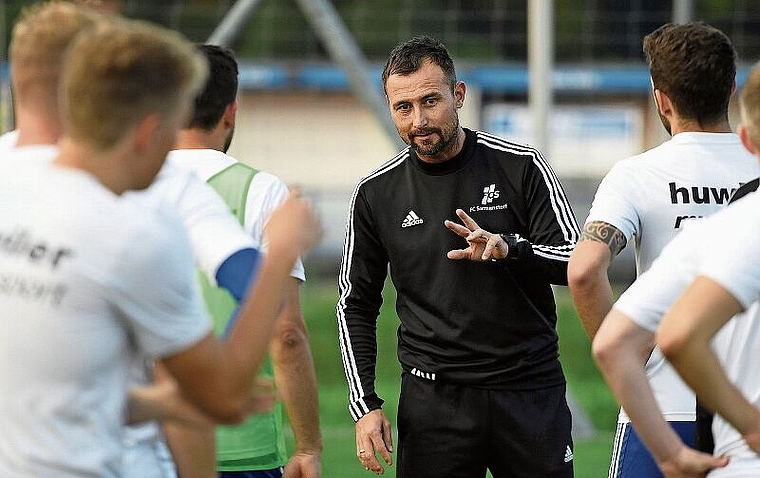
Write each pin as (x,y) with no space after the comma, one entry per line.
(695,65)
(409,56)
(220,90)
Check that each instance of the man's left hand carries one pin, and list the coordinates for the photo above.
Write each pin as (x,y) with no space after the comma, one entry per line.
(482,245)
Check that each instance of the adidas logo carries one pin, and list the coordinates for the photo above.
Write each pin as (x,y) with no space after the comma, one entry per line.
(568,454)
(411,219)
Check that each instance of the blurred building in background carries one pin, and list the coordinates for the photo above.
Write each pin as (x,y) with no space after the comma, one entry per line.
(299,119)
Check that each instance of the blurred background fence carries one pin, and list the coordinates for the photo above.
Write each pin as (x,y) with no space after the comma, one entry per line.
(586,31)
(300,117)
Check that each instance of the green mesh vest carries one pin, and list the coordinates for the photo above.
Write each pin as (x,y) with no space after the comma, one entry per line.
(257,443)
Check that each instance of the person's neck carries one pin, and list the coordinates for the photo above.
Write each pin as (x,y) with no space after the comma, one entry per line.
(195,138)
(37,128)
(103,165)
(692,126)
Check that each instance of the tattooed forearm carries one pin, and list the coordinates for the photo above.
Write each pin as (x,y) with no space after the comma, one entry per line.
(606,234)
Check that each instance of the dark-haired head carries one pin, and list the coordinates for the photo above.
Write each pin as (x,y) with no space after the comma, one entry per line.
(220,90)
(409,56)
(695,65)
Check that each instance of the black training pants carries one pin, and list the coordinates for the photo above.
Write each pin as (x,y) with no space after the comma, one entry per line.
(453,431)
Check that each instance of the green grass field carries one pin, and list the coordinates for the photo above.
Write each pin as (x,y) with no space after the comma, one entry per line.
(319,298)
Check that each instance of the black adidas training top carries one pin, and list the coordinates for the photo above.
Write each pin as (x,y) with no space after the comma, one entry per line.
(485,324)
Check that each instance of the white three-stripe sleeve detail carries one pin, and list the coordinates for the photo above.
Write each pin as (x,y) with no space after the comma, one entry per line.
(357,406)
(559,202)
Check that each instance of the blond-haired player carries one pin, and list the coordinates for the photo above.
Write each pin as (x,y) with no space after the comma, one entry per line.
(39,41)
(92,278)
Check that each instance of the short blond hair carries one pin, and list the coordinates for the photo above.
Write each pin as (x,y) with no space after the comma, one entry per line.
(749,102)
(121,71)
(40,38)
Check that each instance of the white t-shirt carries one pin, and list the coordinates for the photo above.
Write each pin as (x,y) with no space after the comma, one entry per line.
(39,154)
(724,248)
(8,140)
(266,193)
(650,197)
(88,281)
(215,234)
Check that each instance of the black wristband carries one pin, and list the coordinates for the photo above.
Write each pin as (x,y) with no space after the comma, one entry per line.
(511,240)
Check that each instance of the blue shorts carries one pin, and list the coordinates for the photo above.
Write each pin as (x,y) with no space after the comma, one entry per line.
(276,473)
(630,457)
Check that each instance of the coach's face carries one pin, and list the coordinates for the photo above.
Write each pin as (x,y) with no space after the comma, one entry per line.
(424,110)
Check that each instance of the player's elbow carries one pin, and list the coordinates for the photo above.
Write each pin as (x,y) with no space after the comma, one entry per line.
(604,349)
(231,410)
(289,337)
(583,275)
(672,345)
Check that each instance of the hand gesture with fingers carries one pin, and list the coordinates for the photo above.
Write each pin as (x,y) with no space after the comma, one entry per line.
(373,435)
(482,245)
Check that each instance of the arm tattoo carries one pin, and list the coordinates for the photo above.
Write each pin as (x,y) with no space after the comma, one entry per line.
(600,231)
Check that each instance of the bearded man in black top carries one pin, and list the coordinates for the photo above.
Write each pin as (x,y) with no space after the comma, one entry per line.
(482,387)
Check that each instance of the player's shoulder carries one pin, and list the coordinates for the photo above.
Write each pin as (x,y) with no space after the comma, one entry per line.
(173,171)
(389,169)
(493,142)
(511,156)
(633,171)
(639,161)
(8,140)
(205,163)
(120,228)
(150,222)
(264,191)
(150,236)
(267,180)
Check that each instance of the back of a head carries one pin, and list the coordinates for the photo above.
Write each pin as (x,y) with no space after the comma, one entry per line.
(695,65)
(40,38)
(220,89)
(121,71)
(750,104)
(409,56)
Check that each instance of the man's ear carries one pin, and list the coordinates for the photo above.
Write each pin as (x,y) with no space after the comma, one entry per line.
(230,112)
(145,132)
(744,135)
(664,106)
(460,91)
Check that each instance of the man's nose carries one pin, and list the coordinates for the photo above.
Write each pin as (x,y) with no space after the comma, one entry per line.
(419,118)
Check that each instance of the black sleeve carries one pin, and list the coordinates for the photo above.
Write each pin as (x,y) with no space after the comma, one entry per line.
(552,229)
(360,283)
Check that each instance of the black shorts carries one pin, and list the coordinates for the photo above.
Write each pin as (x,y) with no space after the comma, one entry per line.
(459,432)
